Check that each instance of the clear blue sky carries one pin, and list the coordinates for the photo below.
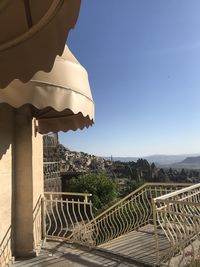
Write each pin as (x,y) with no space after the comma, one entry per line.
(143,60)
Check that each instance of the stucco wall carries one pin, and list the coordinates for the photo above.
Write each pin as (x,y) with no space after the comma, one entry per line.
(21,184)
(6,175)
(38,185)
(28,184)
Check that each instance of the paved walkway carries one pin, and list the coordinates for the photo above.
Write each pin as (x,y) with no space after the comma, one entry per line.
(56,254)
(138,245)
(136,249)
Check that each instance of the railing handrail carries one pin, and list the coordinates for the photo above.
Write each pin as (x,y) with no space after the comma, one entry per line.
(133,193)
(51,162)
(178,214)
(68,193)
(177,192)
(65,214)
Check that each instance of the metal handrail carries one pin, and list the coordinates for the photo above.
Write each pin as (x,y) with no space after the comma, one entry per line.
(138,190)
(51,170)
(173,209)
(128,214)
(51,162)
(65,212)
(178,192)
(68,194)
(178,215)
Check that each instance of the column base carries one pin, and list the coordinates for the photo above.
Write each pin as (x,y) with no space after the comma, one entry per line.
(26,254)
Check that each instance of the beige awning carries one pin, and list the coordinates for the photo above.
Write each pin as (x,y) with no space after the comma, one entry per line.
(60,100)
(32,34)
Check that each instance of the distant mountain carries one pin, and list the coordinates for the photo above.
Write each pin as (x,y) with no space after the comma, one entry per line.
(159,159)
(192,160)
(165,159)
(187,163)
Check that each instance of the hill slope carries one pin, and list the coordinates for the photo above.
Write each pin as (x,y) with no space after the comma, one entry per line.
(187,163)
(159,159)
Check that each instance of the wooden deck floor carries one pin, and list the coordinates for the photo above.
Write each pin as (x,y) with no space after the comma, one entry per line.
(138,245)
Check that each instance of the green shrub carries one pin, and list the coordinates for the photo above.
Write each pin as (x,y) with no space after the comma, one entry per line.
(103,188)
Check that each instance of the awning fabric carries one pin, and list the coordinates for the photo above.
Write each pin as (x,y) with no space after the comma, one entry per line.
(60,100)
(33,33)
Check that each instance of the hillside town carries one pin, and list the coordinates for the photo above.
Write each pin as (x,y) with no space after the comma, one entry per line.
(72,161)
(127,175)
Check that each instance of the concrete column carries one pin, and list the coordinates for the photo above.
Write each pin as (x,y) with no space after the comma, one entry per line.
(6,180)
(28,183)
(38,186)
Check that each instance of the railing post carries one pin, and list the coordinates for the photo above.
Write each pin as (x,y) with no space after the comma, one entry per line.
(155,231)
(43,209)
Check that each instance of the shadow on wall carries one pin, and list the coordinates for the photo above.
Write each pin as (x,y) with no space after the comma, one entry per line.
(6,128)
(6,257)
(6,162)
(38,221)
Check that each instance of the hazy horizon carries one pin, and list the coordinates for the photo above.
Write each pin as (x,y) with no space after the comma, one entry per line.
(130,156)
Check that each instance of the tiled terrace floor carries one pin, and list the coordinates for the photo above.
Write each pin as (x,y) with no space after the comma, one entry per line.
(136,249)
(55,254)
(139,245)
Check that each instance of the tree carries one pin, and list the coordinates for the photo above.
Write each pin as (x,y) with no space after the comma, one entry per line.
(103,188)
(144,169)
(132,186)
(162,176)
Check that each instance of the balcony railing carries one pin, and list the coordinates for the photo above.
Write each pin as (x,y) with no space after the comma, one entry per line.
(65,212)
(51,170)
(50,140)
(172,210)
(178,215)
(129,214)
